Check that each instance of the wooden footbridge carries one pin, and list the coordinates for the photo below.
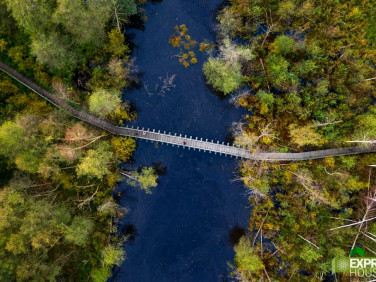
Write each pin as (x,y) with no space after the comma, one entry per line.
(179,140)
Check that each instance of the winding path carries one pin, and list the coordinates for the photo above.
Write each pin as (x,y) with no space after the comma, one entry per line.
(179,140)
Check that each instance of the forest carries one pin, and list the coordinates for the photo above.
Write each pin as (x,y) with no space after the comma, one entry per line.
(58,217)
(305,70)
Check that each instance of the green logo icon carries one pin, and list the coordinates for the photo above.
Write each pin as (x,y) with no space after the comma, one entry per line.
(357,251)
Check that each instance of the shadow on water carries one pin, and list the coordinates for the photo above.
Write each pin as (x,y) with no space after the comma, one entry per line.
(160,170)
(130,231)
(235,234)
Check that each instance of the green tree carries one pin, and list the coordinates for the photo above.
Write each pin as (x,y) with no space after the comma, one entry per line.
(246,259)
(115,45)
(146,179)
(305,135)
(85,20)
(102,102)
(322,87)
(223,77)
(365,126)
(11,139)
(53,50)
(266,100)
(96,162)
(283,45)
(278,72)
(123,147)
(32,15)
(122,10)
(113,255)
(78,231)
(286,9)
(309,254)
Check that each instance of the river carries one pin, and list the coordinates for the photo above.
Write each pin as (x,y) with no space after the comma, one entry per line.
(181,231)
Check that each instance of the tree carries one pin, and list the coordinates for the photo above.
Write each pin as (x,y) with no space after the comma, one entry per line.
(115,45)
(11,136)
(113,255)
(32,15)
(78,231)
(222,77)
(103,102)
(309,254)
(282,45)
(247,262)
(278,72)
(53,50)
(123,147)
(96,162)
(122,10)
(365,126)
(305,135)
(266,100)
(85,20)
(286,9)
(147,178)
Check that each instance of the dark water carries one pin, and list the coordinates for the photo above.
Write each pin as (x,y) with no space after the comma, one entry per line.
(182,232)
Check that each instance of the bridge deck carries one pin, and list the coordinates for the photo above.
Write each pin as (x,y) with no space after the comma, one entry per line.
(180,140)
(231,150)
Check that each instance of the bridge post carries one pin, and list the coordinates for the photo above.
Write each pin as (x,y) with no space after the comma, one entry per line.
(159,131)
(153,130)
(132,126)
(138,127)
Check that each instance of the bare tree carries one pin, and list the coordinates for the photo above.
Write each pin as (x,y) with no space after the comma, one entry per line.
(235,98)
(88,199)
(304,178)
(62,91)
(270,25)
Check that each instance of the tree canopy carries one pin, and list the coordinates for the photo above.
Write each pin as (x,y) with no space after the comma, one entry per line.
(309,84)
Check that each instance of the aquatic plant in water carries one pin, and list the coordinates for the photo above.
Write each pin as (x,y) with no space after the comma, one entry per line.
(182,40)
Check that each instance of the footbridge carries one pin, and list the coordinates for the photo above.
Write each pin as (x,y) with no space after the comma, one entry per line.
(180,140)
